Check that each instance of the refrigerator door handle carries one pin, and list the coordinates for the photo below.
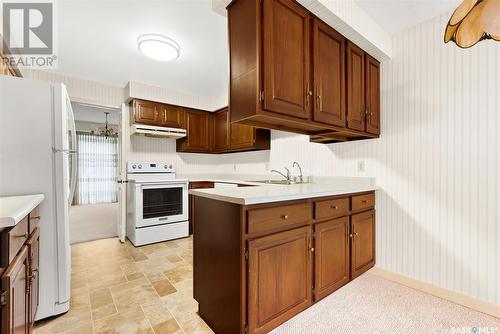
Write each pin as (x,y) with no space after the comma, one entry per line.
(55,150)
(72,149)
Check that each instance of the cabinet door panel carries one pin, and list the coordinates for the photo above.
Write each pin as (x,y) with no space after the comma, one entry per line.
(197,127)
(286,58)
(331,256)
(372,95)
(15,314)
(355,87)
(242,136)
(146,112)
(279,278)
(329,74)
(170,115)
(221,131)
(34,260)
(363,242)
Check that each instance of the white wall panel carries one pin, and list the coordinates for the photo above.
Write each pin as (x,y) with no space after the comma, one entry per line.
(437,162)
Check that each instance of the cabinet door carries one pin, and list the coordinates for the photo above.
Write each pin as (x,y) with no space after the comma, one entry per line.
(170,116)
(197,127)
(286,43)
(372,95)
(329,74)
(221,131)
(15,312)
(331,256)
(242,136)
(146,112)
(355,87)
(363,242)
(34,260)
(279,278)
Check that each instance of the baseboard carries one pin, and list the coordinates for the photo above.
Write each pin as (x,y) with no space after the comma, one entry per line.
(457,298)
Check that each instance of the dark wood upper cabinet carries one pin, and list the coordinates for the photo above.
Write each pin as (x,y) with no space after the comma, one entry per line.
(363,242)
(283,257)
(286,40)
(15,312)
(145,112)
(197,125)
(331,256)
(372,95)
(221,131)
(170,115)
(329,74)
(290,71)
(355,87)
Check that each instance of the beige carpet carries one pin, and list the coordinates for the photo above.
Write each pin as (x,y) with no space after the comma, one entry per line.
(371,304)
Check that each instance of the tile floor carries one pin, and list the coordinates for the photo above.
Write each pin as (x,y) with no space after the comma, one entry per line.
(117,288)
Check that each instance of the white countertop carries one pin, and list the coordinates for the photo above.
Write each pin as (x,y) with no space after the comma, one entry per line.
(265,193)
(14,208)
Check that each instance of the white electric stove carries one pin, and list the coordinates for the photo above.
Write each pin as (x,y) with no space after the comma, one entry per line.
(157,203)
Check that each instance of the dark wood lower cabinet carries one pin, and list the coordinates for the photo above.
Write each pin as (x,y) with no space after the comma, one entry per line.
(331,256)
(283,258)
(195,185)
(254,264)
(16,295)
(19,294)
(363,242)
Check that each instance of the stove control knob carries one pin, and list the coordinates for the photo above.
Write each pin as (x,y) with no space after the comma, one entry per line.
(165,166)
(170,166)
(134,166)
(140,166)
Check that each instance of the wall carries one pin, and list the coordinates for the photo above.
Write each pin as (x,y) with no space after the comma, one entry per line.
(437,162)
(91,222)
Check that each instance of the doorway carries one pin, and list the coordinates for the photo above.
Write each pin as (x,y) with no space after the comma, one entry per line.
(94,210)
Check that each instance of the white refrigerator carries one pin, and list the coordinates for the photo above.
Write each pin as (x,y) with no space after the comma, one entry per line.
(38,155)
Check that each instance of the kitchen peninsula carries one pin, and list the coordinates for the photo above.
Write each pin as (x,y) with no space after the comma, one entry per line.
(265,253)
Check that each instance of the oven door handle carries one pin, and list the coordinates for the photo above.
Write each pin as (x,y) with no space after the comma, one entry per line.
(164,185)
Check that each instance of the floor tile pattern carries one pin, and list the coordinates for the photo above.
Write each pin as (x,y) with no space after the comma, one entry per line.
(120,289)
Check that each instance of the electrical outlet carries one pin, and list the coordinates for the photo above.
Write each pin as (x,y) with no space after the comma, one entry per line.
(361,166)
(234,167)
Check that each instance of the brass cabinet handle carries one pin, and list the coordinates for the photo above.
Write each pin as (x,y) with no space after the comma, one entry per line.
(312,249)
(35,217)
(364,201)
(25,235)
(334,207)
(350,235)
(284,216)
(308,93)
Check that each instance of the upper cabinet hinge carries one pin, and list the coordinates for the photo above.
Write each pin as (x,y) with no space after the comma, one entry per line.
(245,252)
(261,96)
(313,291)
(245,330)
(3,298)
(314,235)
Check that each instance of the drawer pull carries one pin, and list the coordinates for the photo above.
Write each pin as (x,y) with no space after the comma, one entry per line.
(284,216)
(364,201)
(35,217)
(334,207)
(25,235)
(312,249)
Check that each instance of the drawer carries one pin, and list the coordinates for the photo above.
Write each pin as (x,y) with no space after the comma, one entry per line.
(12,240)
(270,218)
(34,219)
(361,202)
(331,208)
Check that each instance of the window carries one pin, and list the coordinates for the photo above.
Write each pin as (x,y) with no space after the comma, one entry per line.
(97,169)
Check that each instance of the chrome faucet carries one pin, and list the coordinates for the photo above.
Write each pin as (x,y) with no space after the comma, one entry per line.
(301,177)
(287,176)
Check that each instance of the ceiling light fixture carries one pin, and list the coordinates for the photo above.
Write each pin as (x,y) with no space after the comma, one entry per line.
(158,47)
(474,21)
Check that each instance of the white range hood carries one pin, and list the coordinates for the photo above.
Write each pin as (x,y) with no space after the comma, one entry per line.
(157,131)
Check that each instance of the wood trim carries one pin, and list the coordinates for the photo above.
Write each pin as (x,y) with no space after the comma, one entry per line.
(434,290)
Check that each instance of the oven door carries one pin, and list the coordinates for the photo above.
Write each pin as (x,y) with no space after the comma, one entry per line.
(161,203)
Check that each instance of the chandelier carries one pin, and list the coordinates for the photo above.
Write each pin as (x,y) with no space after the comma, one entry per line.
(105,131)
(474,21)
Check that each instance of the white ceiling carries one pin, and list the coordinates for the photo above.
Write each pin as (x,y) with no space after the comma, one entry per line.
(97,41)
(396,15)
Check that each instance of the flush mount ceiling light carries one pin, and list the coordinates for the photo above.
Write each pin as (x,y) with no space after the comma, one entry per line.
(158,47)
(474,21)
